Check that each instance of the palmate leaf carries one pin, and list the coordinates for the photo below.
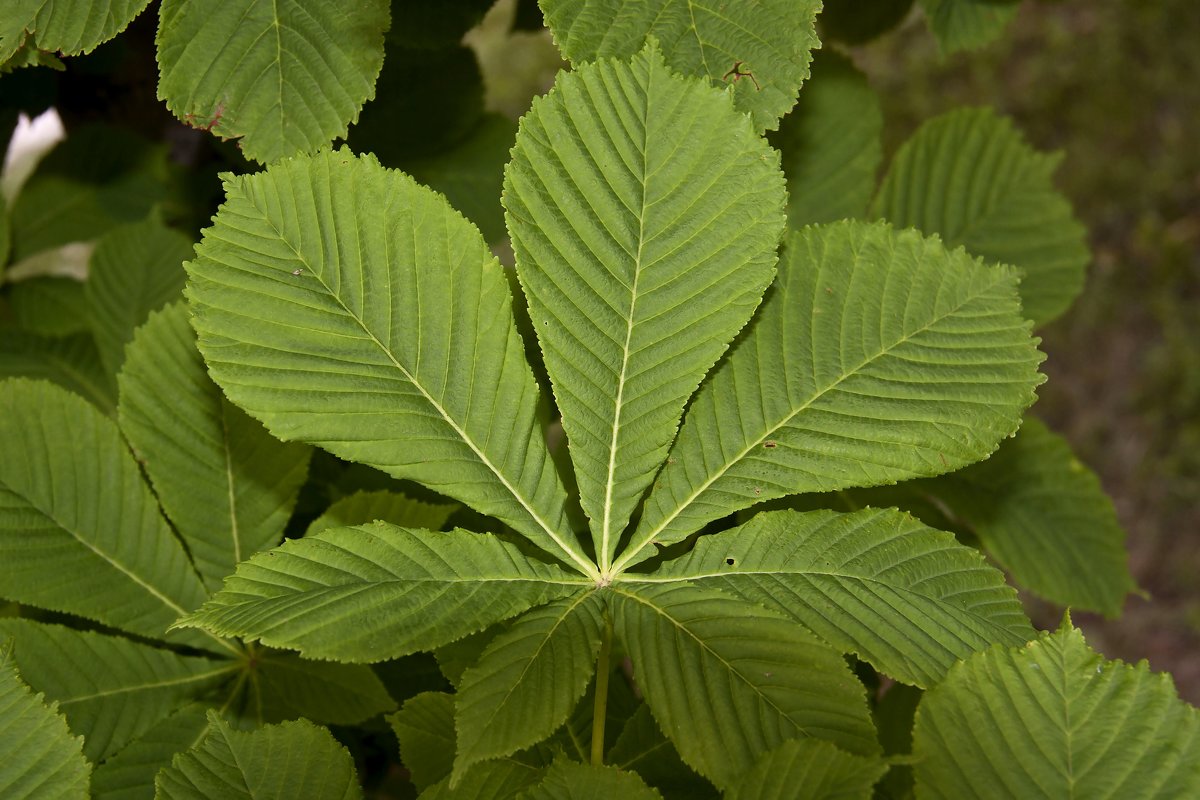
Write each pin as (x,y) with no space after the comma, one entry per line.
(878,356)
(906,598)
(728,680)
(399,351)
(528,679)
(292,759)
(967,24)
(970,177)
(110,689)
(227,484)
(284,76)
(135,269)
(377,591)
(1055,720)
(41,757)
(363,507)
(566,780)
(832,143)
(807,769)
(80,531)
(760,49)
(640,257)
(69,27)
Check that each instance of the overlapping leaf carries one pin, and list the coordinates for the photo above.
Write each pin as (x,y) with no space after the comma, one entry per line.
(528,680)
(970,177)
(905,597)
(227,484)
(807,769)
(79,530)
(72,362)
(377,591)
(640,257)
(49,306)
(129,775)
(878,356)
(425,730)
(135,269)
(284,76)
(832,144)
(727,693)
(288,687)
(69,27)
(110,689)
(292,759)
(41,757)
(344,305)
(363,507)
(566,780)
(642,748)
(1055,720)
(760,49)
(968,24)
(493,780)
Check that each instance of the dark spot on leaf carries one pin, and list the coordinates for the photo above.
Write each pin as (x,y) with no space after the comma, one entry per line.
(730,561)
(757,490)
(770,444)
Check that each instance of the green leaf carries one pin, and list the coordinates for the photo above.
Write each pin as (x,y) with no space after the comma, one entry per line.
(80,531)
(970,176)
(129,775)
(284,76)
(1044,516)
(1055,720)
(809,770)
(363,507)
(878,356)
(640,259)
(906,598)
(41,757)
(528,680)
(134,270)
(292,759)
(402,591)
(72,362)
(425,729)
(642,748)
(226,483)
(400,352)
(49,306)
(111,690)
(967,24)
(566,780)
(69,27)
(728,680)
(832,144)
(761,50)
(493,780)
(289,687)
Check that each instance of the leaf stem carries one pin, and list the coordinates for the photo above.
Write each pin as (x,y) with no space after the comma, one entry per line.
(600,707)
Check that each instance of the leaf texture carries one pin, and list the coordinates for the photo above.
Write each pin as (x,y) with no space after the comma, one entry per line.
(642,748)
(289,687)
(292,759)
(41,757)
(135,269)
(493,780)
(284,76)
(79,529)
(832,144)
(1055,720)
(363,507)
(72,362)
(728,680)
(640,258)
(878,356)
(970,177)
(807,769)
(223,480)
(49,306)
(528,680)
(967,24)
(566,780)
(761,49)
(110,689)
(68,27)
(906,598)
(377,592)
(129,775)
(344,305)
(425,730)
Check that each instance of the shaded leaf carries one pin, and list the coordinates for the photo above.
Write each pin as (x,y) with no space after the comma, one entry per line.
(377,591)
(289,687)
(970,177)
(640,259)
(72,362)
(1055,720)
(363,507)
(967,24)
(49,306)
(906,598)
(283,77)
(226,483)
(492,780)
(642,748)
(129,775)
(566,780)
(425,728)
(859,21)
(807,769)
(292,759)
